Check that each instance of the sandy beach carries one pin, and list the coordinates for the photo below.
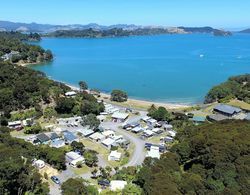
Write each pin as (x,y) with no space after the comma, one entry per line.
(135,103)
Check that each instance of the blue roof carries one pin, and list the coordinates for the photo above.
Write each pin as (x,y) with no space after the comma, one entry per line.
(69,136)
(227,109)
(57,142)
(199,119)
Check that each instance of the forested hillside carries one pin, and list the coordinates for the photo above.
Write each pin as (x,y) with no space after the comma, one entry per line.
(235,87)
(22,88)
(14,49)
(17,176)
(209,159)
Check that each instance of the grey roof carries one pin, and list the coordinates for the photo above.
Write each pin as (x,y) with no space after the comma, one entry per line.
(42,137)
(217,117)
(248,116)
(227,109)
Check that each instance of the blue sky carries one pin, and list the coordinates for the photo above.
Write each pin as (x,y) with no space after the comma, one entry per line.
(216,13)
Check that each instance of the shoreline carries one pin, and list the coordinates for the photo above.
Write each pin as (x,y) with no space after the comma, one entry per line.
(131,102)
(135,103)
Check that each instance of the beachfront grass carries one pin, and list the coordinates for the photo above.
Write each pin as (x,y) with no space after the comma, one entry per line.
(240,104)
(141,104)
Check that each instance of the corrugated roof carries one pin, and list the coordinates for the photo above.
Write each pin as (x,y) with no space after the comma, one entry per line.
(54,136)
(69,136)
(120,115)
(227,109)
(42,137)
(218,117)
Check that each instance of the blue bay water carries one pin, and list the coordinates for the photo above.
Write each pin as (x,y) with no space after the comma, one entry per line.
(164,68)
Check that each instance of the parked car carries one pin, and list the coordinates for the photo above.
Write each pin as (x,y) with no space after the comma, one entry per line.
(55,179)
(105,183)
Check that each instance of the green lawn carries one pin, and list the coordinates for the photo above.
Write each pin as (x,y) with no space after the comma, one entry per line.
(15,133)
(156,139)
(95,146)
(240,104)
(80,171)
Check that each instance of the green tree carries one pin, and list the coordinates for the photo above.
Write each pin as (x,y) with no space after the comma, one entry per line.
(83,85)
(78,146)
(94,172)
(74,186)
(90,157)
(118,96)
(160,114)
(35,129)
(64,105)
(49,112)
(91,107)
(91,120)
(132,189)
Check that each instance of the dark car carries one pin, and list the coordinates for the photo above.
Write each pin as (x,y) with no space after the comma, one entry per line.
(55,179)
(105,183)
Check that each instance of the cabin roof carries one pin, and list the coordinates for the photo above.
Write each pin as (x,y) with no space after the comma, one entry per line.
(227,109)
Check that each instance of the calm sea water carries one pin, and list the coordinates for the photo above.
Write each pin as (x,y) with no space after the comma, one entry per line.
(164,68)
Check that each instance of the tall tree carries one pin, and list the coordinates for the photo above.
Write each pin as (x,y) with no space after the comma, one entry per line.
(83,85)
(118,96)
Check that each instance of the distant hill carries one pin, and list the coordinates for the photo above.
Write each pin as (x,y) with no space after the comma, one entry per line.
(46,28)
(114,32)
(245,31)
(128,28)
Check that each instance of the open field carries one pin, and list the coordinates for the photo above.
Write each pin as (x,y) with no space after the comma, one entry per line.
(240,104)
(95,146)
(79,171)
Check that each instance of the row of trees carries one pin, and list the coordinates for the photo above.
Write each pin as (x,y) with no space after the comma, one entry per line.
(82,105)
(116,95)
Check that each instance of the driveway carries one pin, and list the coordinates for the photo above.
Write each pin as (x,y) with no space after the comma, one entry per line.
(138,155)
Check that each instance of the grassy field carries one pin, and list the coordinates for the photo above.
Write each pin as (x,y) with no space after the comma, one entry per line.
(240,104)
(95,146)
(15,133)
(80,171)
(156,139)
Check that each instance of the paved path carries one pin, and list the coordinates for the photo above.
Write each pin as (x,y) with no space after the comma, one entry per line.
(138,155)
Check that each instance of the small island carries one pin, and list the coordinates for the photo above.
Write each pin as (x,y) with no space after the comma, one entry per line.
(137,31)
